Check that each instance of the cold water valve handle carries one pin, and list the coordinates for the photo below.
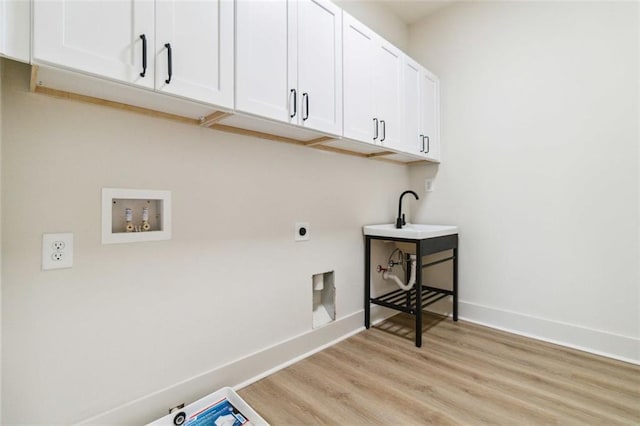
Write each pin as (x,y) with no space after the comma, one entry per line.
(145,219)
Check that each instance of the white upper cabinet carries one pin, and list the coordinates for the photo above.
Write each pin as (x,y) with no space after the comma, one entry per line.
(430,92)
(320,65)
(413,139)
(388,91)
(194,50)
(15,29)
(130,41)
(372,86)
(359,96)
(421,111)
(302,62)
(113,39)
(262,69)
(289,62)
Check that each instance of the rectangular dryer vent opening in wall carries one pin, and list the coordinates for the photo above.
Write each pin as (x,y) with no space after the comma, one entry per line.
(324,298)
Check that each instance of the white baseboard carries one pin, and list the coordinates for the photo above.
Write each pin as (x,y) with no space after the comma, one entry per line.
(238,373)
(623,348)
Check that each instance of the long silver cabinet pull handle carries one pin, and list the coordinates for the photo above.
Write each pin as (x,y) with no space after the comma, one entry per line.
(384,130)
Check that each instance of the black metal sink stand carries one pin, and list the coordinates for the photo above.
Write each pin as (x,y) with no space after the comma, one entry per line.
(420,296)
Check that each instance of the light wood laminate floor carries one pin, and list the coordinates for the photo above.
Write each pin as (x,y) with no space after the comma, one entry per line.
(463,374)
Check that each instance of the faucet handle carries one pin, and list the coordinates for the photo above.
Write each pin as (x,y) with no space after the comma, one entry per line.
(404,222)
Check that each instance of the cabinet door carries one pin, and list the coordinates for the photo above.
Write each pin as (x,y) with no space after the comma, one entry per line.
(319,29)
(359,96)
(412,116)
(388,89)
(199,35)
(431,115)
(262,77)
(100,37)
(15,29)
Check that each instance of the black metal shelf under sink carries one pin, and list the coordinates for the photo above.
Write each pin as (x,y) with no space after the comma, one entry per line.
(405,301)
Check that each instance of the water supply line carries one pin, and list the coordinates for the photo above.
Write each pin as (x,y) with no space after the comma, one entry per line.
(386,274)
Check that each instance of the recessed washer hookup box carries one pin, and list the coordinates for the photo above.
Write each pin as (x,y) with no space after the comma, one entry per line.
(221,408)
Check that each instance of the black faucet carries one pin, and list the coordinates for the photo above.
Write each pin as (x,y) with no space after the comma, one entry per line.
(400,220)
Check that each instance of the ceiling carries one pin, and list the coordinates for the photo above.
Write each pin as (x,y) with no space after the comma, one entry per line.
(411,11)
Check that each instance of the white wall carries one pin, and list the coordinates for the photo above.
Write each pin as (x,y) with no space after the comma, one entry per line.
(132,319)
(379,18)
(540,165)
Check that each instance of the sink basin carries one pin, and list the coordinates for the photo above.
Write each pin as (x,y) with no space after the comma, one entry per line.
(411,231)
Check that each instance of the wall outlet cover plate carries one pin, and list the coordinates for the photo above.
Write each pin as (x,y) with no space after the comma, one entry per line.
(57,251)
(429,185)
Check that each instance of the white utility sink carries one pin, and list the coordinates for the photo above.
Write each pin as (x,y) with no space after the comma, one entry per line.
(411,231)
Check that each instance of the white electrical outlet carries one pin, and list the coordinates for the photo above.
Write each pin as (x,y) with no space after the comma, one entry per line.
(429,185)
(302,231)
(57,251)
(57,256)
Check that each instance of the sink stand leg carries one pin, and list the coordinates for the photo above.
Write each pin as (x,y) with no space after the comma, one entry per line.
(455,284)
(418,295)
(367,282)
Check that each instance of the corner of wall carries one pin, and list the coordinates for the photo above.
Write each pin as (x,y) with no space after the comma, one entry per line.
(476,185)
(1,79)
(380,19)
(638,137)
